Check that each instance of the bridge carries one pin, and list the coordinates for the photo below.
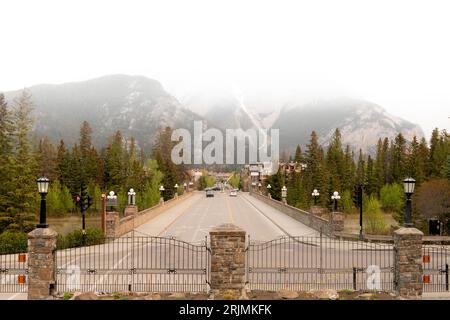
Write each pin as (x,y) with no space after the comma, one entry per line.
(171,252)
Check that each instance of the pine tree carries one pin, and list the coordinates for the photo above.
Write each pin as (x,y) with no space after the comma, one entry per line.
(361,169)
(22,193)
(114,164)
(46,157)
(6,152)
(415,163)
(335,161)
(348,170)
(371,178)
(316,176)
(298,155)
(398,158)
(62,164)
(379,169)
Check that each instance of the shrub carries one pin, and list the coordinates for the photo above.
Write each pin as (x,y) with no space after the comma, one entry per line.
(75,239)
(13,242)
(392,199)
(373,218)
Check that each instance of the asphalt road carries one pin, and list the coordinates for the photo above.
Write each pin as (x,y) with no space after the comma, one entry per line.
(192,219)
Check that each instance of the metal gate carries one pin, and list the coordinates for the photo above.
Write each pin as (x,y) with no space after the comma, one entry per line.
(13,272)
(436,260)
(305,263)
(139,264)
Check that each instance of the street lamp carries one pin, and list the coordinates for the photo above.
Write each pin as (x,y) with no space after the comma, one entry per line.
(176,189)
(259,187)
(284,193)
(111,201)
(43,184)
(268,190)
(335,197)
(409,184)
(161,190)
(131,197)
(185,187)
(315,194)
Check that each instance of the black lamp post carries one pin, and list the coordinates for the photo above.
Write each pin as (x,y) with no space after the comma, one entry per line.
(268,190)
(43,184)
(409,184)
(315,195)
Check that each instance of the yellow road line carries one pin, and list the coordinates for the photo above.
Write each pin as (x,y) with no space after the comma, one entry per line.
(230,213)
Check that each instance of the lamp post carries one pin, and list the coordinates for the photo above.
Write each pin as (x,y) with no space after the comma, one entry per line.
(284,194)
(131,197)
(176,190)
(185,187)
(409,184)
(161,190)
(315,194)
(43,184)
(268,191)
(259,187)
(335,197)
(111,201)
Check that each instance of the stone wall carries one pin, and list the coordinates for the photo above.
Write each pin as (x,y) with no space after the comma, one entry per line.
(311,220)
(227,257)
(408,270)
(128,223)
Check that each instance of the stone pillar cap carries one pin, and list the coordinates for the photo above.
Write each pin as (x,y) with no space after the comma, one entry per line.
(42,233)
(226,227)
(406,231)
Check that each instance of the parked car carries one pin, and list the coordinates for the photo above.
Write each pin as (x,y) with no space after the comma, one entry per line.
(209,193)
(233,193)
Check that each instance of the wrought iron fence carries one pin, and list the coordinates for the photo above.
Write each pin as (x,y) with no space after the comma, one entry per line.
(140,264)
(436,261)
(13,272)
(305,263)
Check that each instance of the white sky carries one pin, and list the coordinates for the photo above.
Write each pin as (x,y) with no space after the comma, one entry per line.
(393,53)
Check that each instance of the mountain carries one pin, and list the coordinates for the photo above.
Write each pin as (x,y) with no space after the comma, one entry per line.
(135,105)
(361,122)
(139,106)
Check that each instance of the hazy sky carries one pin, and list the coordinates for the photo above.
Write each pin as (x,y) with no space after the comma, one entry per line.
(393,53)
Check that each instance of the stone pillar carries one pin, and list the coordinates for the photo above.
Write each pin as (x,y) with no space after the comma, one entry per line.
(112,224)
(408,271)
(227,257)
(41,263)
(161,201)
(284,201)
(130,210)
(336,221)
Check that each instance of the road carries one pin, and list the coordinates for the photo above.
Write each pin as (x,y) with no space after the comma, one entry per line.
(192,219)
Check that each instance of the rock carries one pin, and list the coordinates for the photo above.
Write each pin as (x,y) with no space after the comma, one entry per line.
(86,296)
(287,294)
(177,295)
(327,294)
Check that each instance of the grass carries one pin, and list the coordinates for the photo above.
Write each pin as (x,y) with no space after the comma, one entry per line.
(351,223)
(67,295)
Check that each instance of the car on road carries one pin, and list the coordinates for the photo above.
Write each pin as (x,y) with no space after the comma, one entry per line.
(233,193)
(209,193)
